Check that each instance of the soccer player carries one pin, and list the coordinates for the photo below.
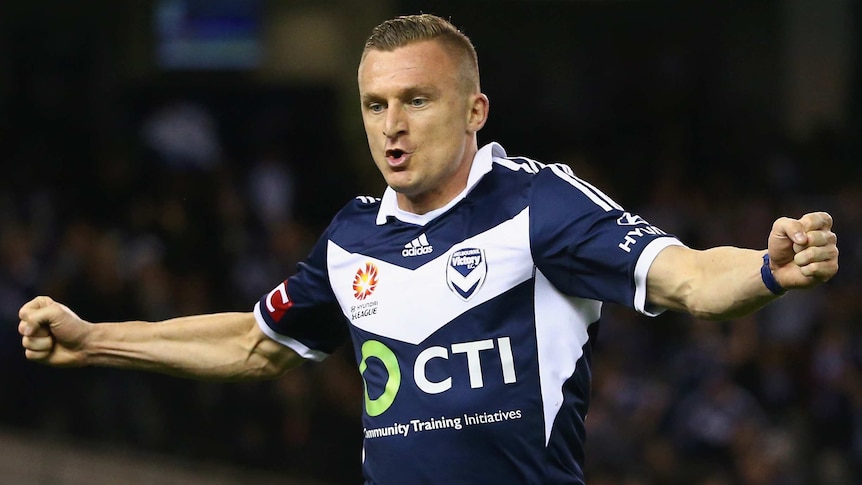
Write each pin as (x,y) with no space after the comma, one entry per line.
(471,290)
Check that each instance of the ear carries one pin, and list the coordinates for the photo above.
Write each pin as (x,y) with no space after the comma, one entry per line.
(478,114)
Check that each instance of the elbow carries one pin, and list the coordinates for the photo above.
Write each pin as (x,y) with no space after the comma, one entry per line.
(701,313)
(717,309)
(257,366)
(265,358)
(280,362)
(270,360)
(689,301)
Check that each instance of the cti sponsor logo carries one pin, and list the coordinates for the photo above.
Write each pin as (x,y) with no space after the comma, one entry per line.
(365,281)
(471,350)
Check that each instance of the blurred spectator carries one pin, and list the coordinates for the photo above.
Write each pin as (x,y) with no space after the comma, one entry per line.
(184,136)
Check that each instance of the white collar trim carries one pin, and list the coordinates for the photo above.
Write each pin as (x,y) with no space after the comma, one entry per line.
(482,163)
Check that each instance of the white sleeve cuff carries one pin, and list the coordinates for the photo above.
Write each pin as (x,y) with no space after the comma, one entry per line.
(293,344)
(642,268)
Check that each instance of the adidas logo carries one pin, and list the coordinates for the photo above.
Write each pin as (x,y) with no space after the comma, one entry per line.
(417,247)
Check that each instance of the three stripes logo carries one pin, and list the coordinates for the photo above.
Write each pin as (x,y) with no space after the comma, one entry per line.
(417,247)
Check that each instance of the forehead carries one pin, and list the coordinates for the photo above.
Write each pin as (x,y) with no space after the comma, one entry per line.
(419,63)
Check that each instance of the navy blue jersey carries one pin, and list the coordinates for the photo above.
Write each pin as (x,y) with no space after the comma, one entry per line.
(472,324)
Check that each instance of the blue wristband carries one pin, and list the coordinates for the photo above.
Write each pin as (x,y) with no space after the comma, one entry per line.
(769,279)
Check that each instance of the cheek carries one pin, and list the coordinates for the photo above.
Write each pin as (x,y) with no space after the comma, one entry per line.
(376,143)
(370,129)
(372,140)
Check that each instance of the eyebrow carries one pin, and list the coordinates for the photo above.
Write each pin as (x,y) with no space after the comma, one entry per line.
(406,93)
(427,89)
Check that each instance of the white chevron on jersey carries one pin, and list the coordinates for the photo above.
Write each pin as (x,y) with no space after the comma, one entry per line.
(563,338)
(431,304)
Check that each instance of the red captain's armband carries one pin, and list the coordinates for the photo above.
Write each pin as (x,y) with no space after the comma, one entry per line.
(278,302)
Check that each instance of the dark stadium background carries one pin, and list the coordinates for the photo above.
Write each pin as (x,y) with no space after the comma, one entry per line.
(135,135)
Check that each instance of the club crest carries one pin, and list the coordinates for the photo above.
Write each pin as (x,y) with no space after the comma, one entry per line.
(465,272)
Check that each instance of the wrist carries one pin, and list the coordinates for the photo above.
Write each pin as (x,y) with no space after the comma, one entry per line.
(768,278)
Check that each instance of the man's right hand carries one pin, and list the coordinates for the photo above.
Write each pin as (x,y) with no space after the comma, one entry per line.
(51,333)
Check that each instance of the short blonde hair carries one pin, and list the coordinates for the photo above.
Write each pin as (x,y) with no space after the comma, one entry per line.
(408,29)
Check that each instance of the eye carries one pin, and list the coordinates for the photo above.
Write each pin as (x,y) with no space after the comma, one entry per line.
(418,102)
(374,107)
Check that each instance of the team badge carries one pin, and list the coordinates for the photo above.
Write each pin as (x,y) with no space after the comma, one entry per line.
(365,281)
(466,272)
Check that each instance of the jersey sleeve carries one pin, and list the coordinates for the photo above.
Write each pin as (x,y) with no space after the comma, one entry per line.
(301,312)
(587,245)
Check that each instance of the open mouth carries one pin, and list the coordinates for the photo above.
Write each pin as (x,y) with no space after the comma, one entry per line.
(396,156)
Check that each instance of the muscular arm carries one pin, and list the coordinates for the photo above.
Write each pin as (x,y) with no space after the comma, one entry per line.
(225,346)
(717,283)
(725,282)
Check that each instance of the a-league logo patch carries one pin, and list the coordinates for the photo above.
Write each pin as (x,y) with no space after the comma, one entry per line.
(365,281)
(466,272)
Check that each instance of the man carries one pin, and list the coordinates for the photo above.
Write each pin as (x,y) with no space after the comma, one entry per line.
(471,290)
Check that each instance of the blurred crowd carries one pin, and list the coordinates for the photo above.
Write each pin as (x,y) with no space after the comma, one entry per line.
(774,398)
(173,227)
(771,399)
(183,205)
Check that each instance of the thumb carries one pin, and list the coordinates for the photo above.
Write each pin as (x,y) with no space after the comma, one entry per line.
(786,234)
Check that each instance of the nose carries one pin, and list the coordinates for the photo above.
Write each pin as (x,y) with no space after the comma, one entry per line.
(395,123)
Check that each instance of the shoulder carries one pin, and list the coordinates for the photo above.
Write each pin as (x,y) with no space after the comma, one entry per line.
(555,184)
(359,207)
(355,221)
(538,172)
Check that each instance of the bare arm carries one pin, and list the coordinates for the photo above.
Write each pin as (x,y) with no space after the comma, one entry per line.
(226,346)
(725,282)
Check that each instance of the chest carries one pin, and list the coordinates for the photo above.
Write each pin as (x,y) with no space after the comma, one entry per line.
(409,288)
